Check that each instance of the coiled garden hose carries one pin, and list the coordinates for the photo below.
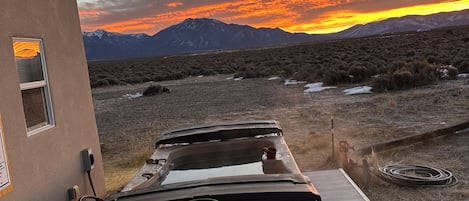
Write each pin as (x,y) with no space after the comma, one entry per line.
(417,175)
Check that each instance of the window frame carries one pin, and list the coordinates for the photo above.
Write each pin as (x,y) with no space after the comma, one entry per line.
(44,84)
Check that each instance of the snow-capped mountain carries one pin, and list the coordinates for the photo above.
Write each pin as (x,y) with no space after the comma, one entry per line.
(191,35)
(208,34)
(101,44)
(408,23)
(100,33)
(196,35)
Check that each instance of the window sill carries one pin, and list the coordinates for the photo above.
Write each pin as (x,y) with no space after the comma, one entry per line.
(39,130)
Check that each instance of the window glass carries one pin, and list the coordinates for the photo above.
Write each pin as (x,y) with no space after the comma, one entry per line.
(28,61)
(34,108)
(34,87)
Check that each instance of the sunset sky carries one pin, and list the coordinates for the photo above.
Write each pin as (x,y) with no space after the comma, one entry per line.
(309,16)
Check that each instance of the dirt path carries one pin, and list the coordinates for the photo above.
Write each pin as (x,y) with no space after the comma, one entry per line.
(127,126)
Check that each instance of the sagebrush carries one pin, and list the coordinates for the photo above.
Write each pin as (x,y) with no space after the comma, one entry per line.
(396,59)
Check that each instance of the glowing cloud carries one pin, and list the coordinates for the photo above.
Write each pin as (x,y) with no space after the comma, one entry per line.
(310,16)
(174,4)
(339,20)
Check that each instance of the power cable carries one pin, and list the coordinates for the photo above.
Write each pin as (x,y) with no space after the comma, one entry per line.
(91,182)
(90,197)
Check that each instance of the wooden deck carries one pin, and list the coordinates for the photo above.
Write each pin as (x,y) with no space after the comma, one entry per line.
(336,185)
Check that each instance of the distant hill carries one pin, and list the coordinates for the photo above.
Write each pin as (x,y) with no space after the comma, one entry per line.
(407,23)
(199,35)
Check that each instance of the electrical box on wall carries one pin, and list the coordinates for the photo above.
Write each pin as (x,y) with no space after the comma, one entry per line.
(73,193)
(88,159)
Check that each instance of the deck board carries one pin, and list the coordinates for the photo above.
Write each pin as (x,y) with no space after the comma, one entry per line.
(335,185)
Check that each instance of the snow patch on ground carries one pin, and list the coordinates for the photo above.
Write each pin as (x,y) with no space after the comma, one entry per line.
(274,78)
(132,96)
(293,82)
(316,87)
(358,90)
(234,78)
(463,131)
(463,75)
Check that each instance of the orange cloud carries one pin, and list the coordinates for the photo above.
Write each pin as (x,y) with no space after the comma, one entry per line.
(310,16)
(339,20)
(136,25)
(275,12)
(174,4)
(93,13)
(161,21)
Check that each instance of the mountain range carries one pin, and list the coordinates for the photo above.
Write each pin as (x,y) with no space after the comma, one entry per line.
(202,34)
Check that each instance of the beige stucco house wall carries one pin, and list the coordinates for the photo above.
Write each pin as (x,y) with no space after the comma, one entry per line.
(45,164)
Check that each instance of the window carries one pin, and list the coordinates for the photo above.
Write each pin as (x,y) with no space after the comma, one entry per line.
(31,66)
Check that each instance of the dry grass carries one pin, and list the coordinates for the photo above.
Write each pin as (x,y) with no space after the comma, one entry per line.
(390,102)
(314,151)
(138,158)
(115,178)
(118,173)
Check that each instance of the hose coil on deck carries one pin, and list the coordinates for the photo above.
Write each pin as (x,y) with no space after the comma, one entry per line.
(417,175)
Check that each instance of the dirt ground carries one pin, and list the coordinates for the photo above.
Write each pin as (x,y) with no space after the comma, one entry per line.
(128,128)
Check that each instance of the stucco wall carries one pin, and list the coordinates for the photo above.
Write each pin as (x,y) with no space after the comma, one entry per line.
(44,165)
